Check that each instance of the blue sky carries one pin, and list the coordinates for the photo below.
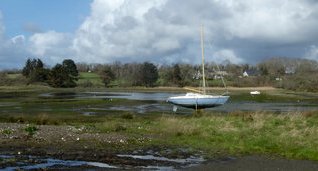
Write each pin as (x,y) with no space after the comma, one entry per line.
(27,16)
(158,31)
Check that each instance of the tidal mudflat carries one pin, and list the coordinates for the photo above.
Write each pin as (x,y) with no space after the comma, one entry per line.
(93,130)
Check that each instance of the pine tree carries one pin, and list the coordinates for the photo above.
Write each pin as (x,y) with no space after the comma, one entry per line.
(34,70)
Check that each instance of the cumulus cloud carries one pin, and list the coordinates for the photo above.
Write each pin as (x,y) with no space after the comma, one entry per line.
(271,20)
(119,30)
(164,29)
(18,40)
(52,45)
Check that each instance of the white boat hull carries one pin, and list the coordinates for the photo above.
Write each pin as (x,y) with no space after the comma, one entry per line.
(198,101)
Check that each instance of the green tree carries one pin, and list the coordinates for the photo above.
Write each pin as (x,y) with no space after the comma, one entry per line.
(27,68)
(264,69)
(34,71)
(70,74)
(107,75)
(70,68)
(149,74)
(57,76)
(176,75)
(63,75)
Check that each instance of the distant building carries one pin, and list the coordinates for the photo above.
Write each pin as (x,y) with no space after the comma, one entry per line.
(290,70)
(251,72)
(278,79)
(210,74)
(197,75)
(245,74)
(219,74)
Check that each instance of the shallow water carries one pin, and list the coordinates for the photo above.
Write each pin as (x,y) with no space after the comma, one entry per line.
(111,95)
(11,163)
(20,162)
(145,102)
(190,160)
(34,163)
(156,102)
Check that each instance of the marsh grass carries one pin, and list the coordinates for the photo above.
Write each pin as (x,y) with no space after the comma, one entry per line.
(31,130)
(292,135)
(6,131)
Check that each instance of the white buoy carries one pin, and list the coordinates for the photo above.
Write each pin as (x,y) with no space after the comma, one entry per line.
(255,93)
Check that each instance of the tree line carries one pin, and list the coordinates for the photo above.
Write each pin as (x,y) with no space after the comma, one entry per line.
(288,73)
(280,72)
(61,75)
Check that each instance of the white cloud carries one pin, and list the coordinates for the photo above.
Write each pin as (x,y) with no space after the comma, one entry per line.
(18,40)
(167,31)
(312,53)
(162,29)
(226,54)
(271,20)
(117,30)
(51,45)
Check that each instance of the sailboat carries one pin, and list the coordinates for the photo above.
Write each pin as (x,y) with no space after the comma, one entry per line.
(200,100)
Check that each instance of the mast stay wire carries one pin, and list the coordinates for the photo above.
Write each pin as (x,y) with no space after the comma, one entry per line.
(217,65)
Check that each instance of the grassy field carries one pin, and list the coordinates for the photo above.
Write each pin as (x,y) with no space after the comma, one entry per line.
(90,79)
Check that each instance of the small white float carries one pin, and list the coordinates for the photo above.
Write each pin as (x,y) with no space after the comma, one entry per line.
(255,93)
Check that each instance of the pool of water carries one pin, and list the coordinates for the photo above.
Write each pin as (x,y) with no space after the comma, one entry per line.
(142,103)
(111,95)
(11,162)
(156,102)
(23,162)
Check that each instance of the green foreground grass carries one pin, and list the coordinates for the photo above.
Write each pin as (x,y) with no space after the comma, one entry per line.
(290,135)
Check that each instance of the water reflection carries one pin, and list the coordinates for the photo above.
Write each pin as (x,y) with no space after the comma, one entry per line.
(38,163)
(27,162)
(110,95)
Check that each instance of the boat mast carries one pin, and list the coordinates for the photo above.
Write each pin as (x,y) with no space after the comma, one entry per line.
(202,52)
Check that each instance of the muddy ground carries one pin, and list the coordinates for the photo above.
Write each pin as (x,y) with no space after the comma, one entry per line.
(69,147)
